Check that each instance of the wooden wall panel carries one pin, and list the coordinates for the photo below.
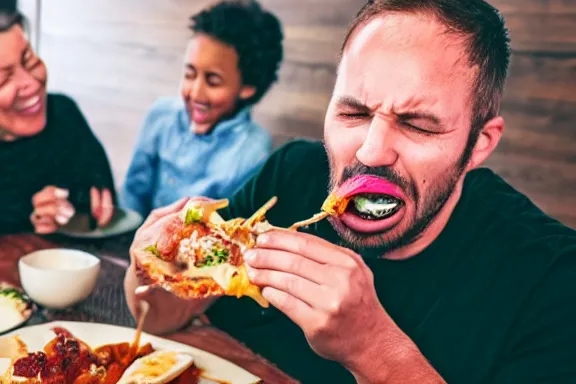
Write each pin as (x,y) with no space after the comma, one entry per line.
(116,56)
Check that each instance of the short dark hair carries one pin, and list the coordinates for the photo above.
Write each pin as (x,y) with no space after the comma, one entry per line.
(9,16)
(487,39)
(255,34)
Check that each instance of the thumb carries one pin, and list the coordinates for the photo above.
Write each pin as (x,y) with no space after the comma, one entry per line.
(145,292)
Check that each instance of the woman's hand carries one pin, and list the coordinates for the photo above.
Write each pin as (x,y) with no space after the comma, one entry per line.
(51,209)
(102,206)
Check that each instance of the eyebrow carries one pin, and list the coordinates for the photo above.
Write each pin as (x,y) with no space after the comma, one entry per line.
(352,102)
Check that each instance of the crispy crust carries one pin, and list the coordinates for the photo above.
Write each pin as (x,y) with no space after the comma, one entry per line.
(161,274)
(314,219)
(334,205)
(161,271)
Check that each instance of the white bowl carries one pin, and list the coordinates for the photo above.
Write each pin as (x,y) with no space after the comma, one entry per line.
(58,278)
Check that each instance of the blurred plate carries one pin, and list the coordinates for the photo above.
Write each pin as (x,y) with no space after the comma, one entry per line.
(95,334)
(123,221)
(15,308)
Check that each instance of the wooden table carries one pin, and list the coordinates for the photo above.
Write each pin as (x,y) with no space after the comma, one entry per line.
(107,303)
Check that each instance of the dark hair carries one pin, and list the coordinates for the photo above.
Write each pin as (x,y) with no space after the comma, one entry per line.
(255,34)
(9,15)
(487,40)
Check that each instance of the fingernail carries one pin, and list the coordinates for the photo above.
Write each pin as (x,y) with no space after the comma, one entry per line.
(62,220)
(250,272)
(66,211)
(142,290)
(262,239)
(249,256)
(61,193)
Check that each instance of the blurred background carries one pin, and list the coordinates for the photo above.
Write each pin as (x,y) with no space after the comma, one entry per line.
(115,57)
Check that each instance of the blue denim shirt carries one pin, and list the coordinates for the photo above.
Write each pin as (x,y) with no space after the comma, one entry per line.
(171,162)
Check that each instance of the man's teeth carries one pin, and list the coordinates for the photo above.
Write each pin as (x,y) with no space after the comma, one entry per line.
(28,103)
(379,207)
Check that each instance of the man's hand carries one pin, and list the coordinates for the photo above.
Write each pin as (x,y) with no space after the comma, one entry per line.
(167,312)
(329,292)
(51,209)
(326,289)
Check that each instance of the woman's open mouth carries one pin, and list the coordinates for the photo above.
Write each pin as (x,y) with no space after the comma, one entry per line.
(372,213)
(30,106)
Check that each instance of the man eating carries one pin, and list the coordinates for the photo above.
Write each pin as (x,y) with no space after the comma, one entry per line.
(436,270)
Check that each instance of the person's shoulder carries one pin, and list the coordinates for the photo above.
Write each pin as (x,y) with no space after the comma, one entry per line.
(167,104)
(64,115)
(165,107)
(298,159)
(164,112)
(61,104)
(520,220)
(300,152)
(257,136)
(61,99)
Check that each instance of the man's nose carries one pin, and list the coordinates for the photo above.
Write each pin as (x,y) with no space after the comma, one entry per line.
(378,148)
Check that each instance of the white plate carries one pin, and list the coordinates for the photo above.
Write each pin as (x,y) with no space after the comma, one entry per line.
(7,312)
(123,221)
(96,335)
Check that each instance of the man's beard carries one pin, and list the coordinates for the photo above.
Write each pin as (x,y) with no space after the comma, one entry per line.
(426,208)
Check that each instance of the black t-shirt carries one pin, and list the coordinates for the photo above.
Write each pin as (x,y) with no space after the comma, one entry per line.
(65,154)
(491,300)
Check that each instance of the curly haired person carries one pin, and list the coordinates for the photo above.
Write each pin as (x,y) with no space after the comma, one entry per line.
(205,142)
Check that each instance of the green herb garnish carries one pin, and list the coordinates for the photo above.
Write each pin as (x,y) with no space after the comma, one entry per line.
(13,293)
(193,215)
(218,256)
(153,249)
(360,202)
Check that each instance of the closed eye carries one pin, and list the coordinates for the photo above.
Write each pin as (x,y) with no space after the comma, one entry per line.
(32,64)
(354,115)
(417,129)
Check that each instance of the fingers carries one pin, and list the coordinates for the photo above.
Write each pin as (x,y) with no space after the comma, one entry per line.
(106,208)
(95,205)
(49,194)
(159,213)
(309,246)
(43,224)
(285,262)
(297,310)
(51,209)
(296,286)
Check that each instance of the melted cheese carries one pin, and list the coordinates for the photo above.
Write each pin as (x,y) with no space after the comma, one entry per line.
(222,273)
(159,367)
(156,365)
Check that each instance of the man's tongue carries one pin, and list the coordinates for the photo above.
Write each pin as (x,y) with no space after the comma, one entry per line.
(368,185)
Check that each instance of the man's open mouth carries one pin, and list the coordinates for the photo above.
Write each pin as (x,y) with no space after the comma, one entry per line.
(370,206)
(367,204)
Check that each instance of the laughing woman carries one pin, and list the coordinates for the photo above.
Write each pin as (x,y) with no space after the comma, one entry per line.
(51,164)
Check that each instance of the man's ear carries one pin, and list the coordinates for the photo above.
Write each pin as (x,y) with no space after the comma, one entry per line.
(247,92)
(487,141)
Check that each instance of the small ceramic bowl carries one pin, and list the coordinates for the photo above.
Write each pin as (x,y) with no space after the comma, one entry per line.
(58,278)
